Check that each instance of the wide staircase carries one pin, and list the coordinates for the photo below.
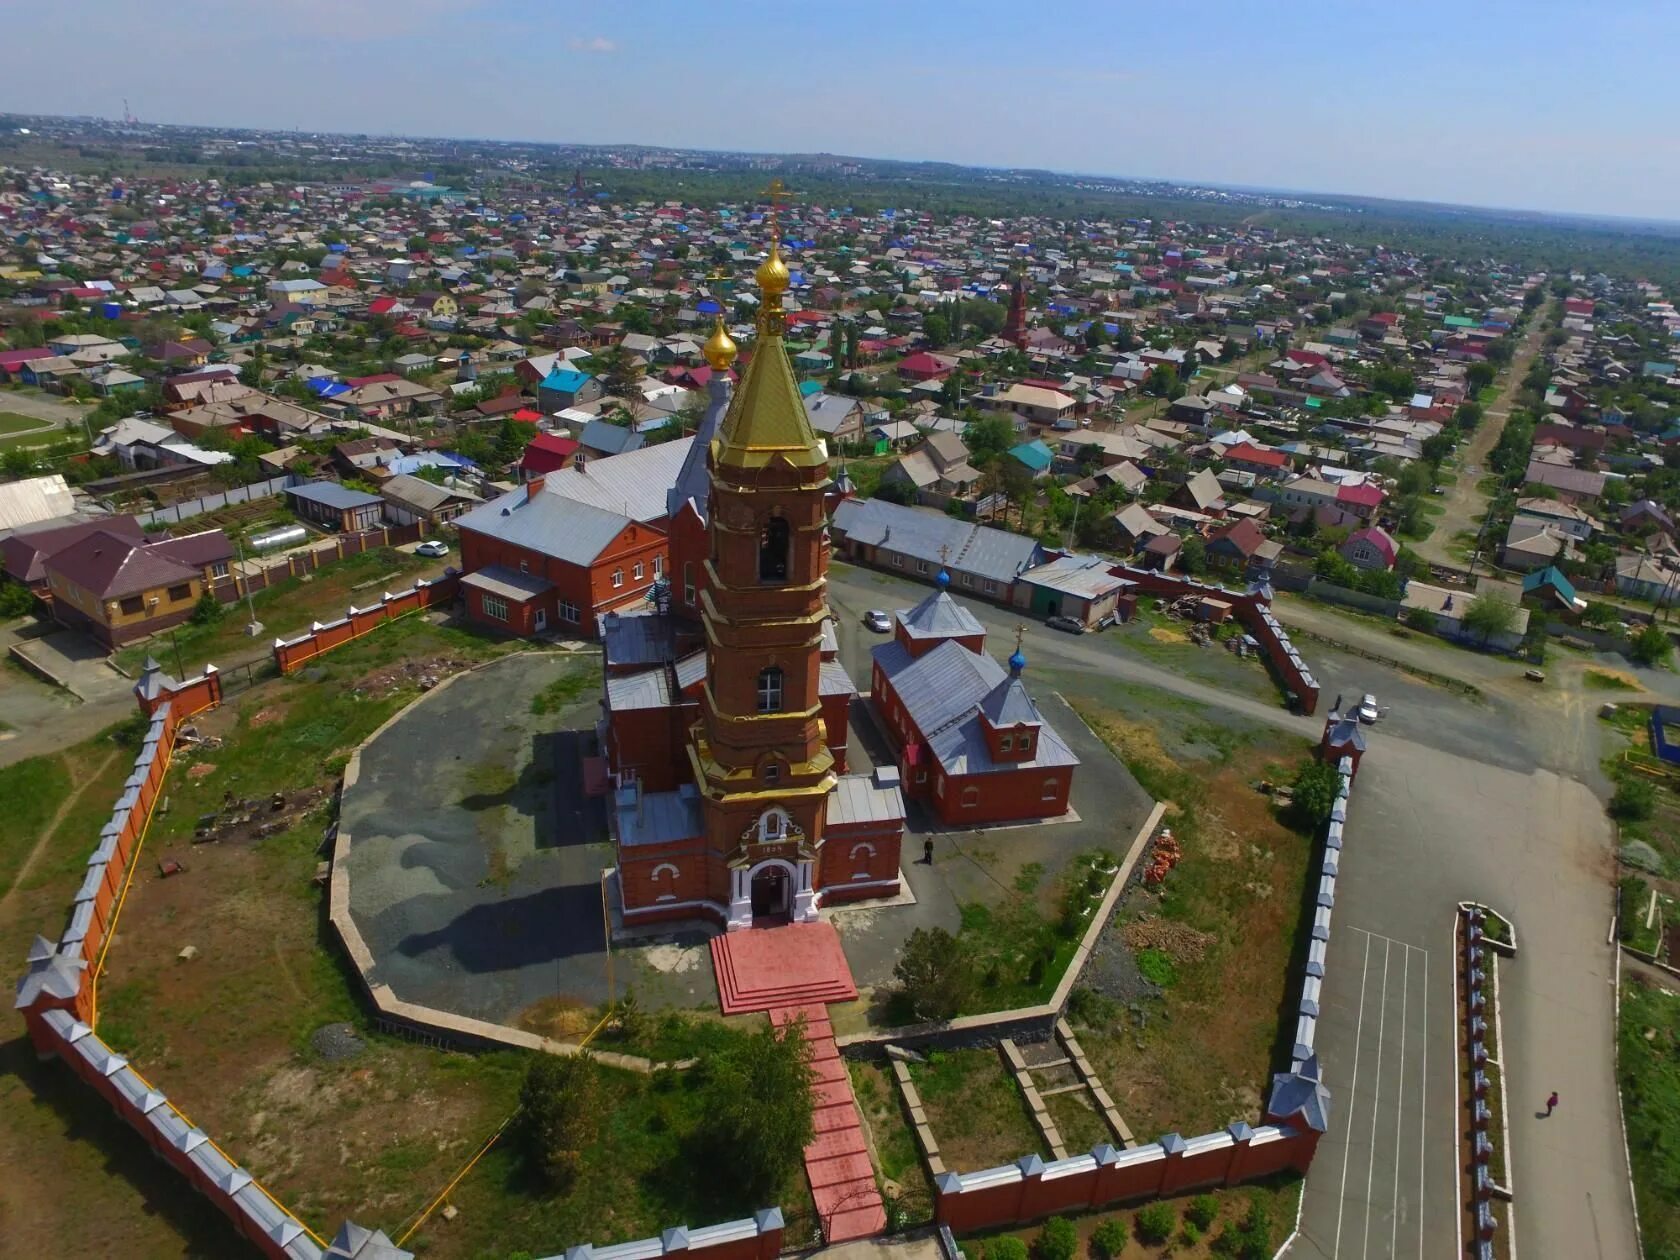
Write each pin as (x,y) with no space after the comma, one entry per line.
(796,964)
(792,972)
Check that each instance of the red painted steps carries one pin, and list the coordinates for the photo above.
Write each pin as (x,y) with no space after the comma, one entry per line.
(798,964)
(836,1161)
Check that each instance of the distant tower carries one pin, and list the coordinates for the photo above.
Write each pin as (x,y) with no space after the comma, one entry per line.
(465,368)
(576,191)
(1015,326)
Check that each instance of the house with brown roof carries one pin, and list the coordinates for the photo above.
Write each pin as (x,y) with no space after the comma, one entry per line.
(118,590)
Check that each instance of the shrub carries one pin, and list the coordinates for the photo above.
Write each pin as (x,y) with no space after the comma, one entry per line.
(1058,1240)
(15,600)
(1155,1223)
(1651,646)
(1202,1210)
(1007,1247)
(208,611)
(1635,799)
(1108,1239)
(560,1108)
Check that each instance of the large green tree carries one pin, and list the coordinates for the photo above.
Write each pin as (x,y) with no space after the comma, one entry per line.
(758,1115)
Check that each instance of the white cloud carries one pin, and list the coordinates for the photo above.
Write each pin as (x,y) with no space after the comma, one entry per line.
(597,44)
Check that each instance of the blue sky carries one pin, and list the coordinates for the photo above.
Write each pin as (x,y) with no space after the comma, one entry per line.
(1537,105)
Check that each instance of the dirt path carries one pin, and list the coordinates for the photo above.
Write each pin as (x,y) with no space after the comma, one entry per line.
(1464,502)
(86,779)
(39,408)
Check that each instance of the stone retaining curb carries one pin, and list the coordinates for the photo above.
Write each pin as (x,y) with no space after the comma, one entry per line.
(860,1044)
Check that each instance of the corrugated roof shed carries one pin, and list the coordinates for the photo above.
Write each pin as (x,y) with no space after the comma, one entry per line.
(564,528)
(33,500)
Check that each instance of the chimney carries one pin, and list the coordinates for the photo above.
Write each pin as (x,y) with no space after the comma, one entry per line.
(533,488)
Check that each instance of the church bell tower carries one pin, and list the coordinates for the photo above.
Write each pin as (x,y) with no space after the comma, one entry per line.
(758,752)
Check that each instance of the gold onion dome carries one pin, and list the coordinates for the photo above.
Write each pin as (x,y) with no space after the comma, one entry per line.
(720,348)
(772,274)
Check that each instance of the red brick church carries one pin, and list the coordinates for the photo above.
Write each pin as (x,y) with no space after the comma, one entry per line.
(725,710)
(971,742)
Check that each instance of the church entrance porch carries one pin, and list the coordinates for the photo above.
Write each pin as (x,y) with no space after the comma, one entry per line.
(770,898)
(771,891)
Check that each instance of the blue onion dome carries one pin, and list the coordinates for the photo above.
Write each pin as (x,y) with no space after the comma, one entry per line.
(1017,661)
(944,579)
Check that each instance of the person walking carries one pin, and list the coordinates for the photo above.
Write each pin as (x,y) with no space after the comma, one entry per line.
(927,852)
(1551,1103)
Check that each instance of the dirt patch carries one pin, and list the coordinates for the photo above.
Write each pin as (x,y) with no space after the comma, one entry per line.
(1178,941)
(424,673)
(271,713)
(249,819)
(199,769)
(558,1018)
(1166,634)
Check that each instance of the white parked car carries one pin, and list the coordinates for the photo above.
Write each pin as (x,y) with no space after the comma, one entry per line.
(877,621)
(432,547)
(1367,711)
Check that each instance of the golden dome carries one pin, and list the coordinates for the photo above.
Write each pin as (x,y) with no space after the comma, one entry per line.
(720,348)
(772,274)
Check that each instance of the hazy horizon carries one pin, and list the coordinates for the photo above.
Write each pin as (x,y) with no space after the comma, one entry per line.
(1511,107)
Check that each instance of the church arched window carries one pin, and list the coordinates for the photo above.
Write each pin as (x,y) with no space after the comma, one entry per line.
(773,825)
(770,690)
(773,550)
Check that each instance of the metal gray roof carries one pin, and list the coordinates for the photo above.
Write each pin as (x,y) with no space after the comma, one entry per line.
(691,669)
(634,483)
(938,539)
(833,680)
(1085,576)
(509,584)
(645,689)
(636,638)
(657,817)
(861,798)
(693,480)
(331,494)
(938,617)
(553,524)
(943,690)
(1008,703)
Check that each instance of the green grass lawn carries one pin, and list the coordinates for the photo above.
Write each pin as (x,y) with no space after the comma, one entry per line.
(975,1110)
(11,422)
(285,609)
(1649,1071)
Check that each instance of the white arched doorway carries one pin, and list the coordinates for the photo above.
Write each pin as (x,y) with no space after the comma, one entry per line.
(772,891)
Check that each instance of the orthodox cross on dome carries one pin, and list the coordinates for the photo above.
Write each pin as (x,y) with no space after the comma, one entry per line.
(779,194)
(1018,659)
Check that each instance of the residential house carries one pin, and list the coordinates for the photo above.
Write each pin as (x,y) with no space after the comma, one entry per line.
(409,499)
(546,453)
(602,439)
(117,589)
(938,470)
(836,417)
(1033,403)
(1201,492)
(1572,485)
(1371,548)
(566,387)
(336,507)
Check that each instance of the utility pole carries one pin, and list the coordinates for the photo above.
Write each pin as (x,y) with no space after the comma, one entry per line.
(253,627)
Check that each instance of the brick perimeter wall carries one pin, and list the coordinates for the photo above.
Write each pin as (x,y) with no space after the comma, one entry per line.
(291,654)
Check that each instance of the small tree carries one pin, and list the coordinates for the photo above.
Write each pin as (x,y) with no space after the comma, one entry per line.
(208,611)
(1008,1247)
(758,1109)
(1651,646)
(935,974)
(1490,614)
(1195,554)
(1313,794)
(561,1105)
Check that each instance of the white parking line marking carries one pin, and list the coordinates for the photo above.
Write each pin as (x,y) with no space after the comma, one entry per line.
(1399,1100)
(1423,1095)
(1347,1147)
(1376,1098)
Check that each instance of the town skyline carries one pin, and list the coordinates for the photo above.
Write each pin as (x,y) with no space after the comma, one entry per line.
(1455,114)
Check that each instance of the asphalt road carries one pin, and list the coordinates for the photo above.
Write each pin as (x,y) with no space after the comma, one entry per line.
(1458,798)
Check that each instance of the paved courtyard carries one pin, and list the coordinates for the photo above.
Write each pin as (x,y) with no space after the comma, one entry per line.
(476,858)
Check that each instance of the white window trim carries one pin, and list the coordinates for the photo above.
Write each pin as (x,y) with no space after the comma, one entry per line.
(617,578)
